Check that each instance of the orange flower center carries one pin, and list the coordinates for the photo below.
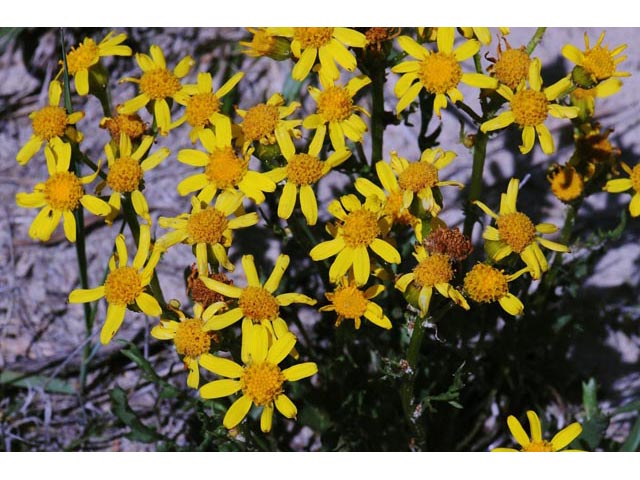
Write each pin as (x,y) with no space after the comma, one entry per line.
(260,122)
(512,67)
(83,57)
(49,122)
(529,107)
(360,228)
(635,178)
(417,176)
(124,175)
(130,125)
(304,169)
(599,62)
(516,230)
(63,191)
(433,270)
(200,108)
(567,184)
(225,169)
(541,446)
(191,340)
(485,284)
(262,382)
(313,36)
(159,83)
(258,304)
(349,301)
(207,226)
(439,72)
(335,104)
(122,286)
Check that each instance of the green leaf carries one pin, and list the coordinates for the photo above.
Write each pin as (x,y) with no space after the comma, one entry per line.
(632,442)
(629,407)
(133,353)
(316,418)
(121,409)
(589,398)
(51,385)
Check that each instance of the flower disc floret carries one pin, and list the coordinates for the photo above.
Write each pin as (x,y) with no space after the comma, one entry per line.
(262,382)
(124,175)
(160,83)
(417,176)
(122,286)
(200,107)
(258,304)
(599,62)
(304,169)
(485,284)
(360,228)
(433,270)
(349,301)
(439,72)
(190,339)
(314,37)
(83,57)
(225,168)
(335,104)
(207,226)
(529,107)
(516,230)
(49,122)
(512,67)
(63,191)
(635,178)
(260,121)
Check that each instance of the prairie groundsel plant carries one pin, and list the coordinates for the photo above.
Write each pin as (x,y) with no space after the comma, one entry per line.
(353,291)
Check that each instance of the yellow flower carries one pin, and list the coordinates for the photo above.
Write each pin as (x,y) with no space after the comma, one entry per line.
(266,122)
(335,108)
(536,443)
(257,303)
(263,44)
(223,169)
(396,204)
(190,338)
(81,58)
(126,174)
(355,232)
(432,271)
(60,195)
(156,85)
(208,228)
(623,184)
(481,33)
(421,177)
(349,302)
(566,183)
(485,284)
(301,172)
(530,107)
(131,125)
(600,62)
(261,381)
(202,103)
(512,65)
(124,285)
(327,44)
(49,124)
(439,73)
(517,233)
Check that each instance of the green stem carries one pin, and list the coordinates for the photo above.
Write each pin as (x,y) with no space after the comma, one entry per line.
(533,43)
(475,189)
(80,243)
(377,112)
